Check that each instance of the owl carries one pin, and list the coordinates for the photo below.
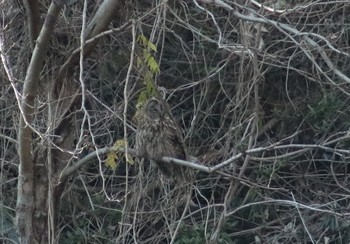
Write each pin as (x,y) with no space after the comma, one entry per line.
(158,136)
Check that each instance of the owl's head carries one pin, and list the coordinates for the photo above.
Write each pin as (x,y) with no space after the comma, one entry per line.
(154,109)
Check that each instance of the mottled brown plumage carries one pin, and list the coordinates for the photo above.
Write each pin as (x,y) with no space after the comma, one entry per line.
(158,136)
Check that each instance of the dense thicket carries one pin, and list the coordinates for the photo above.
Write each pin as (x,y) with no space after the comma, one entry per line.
(269,83)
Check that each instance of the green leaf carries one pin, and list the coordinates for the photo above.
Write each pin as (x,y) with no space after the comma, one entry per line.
(152,46)
(146,55)
(142,39)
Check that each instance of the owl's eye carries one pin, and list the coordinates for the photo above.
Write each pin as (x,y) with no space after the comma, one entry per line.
(160,108)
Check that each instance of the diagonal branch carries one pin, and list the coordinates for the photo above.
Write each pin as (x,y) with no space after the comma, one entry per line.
(97,25)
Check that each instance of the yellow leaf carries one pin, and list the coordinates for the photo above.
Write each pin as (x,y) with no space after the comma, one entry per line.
(113,156)
(119,144)
(111,160)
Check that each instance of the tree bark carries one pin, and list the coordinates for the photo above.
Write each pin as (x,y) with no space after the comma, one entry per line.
(38,191)
(25,194)
(32,9)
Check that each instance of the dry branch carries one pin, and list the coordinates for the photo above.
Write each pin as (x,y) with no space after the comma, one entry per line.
(201,167)
(289,29)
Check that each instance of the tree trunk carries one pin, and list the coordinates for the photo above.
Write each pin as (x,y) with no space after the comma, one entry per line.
(40,185)
(26,190)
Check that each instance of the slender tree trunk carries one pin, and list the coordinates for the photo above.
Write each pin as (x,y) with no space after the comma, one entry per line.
(26,193)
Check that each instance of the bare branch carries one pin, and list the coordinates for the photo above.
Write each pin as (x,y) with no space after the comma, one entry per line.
(289,203)
(98,24)
(200,166)
(285,27)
